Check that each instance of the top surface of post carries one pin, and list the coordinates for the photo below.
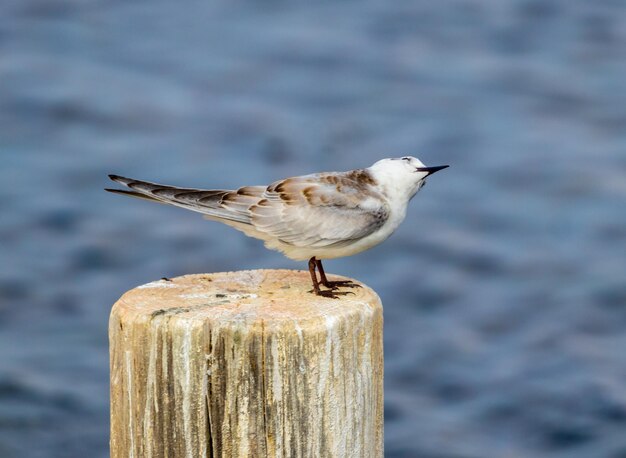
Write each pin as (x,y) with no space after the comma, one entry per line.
(244,296)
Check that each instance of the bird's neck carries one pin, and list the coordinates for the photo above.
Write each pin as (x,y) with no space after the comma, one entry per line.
(397,191)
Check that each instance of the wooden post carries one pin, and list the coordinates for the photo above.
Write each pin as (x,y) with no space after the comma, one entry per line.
(246,364)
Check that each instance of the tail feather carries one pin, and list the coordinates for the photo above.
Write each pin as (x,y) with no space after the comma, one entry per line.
(133,194)
(206,201)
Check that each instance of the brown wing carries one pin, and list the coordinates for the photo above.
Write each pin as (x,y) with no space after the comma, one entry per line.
(314,210)
(319,210)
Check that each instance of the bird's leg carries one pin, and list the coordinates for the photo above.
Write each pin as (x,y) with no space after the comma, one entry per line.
(313,263)
(333,284)
(316,284)
(320,268)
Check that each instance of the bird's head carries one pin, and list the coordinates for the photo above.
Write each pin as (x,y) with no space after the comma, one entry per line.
(403,175)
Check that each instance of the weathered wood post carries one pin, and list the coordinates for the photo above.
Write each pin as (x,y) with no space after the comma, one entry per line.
(246,364)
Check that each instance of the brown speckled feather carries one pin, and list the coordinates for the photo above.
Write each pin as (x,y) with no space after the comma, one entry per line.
(335,202)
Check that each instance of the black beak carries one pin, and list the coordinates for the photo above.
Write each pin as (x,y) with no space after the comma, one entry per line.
(431,170)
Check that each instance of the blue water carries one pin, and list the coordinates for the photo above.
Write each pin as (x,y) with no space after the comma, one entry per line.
(504,290)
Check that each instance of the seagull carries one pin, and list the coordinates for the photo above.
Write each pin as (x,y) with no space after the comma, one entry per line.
(319,216)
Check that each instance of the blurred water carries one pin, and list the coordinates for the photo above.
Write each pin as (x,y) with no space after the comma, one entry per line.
(504,294)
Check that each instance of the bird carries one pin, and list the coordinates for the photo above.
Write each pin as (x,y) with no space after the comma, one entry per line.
(316,217)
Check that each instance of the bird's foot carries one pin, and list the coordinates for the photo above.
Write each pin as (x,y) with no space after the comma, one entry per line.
(331,293)
(341,284)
